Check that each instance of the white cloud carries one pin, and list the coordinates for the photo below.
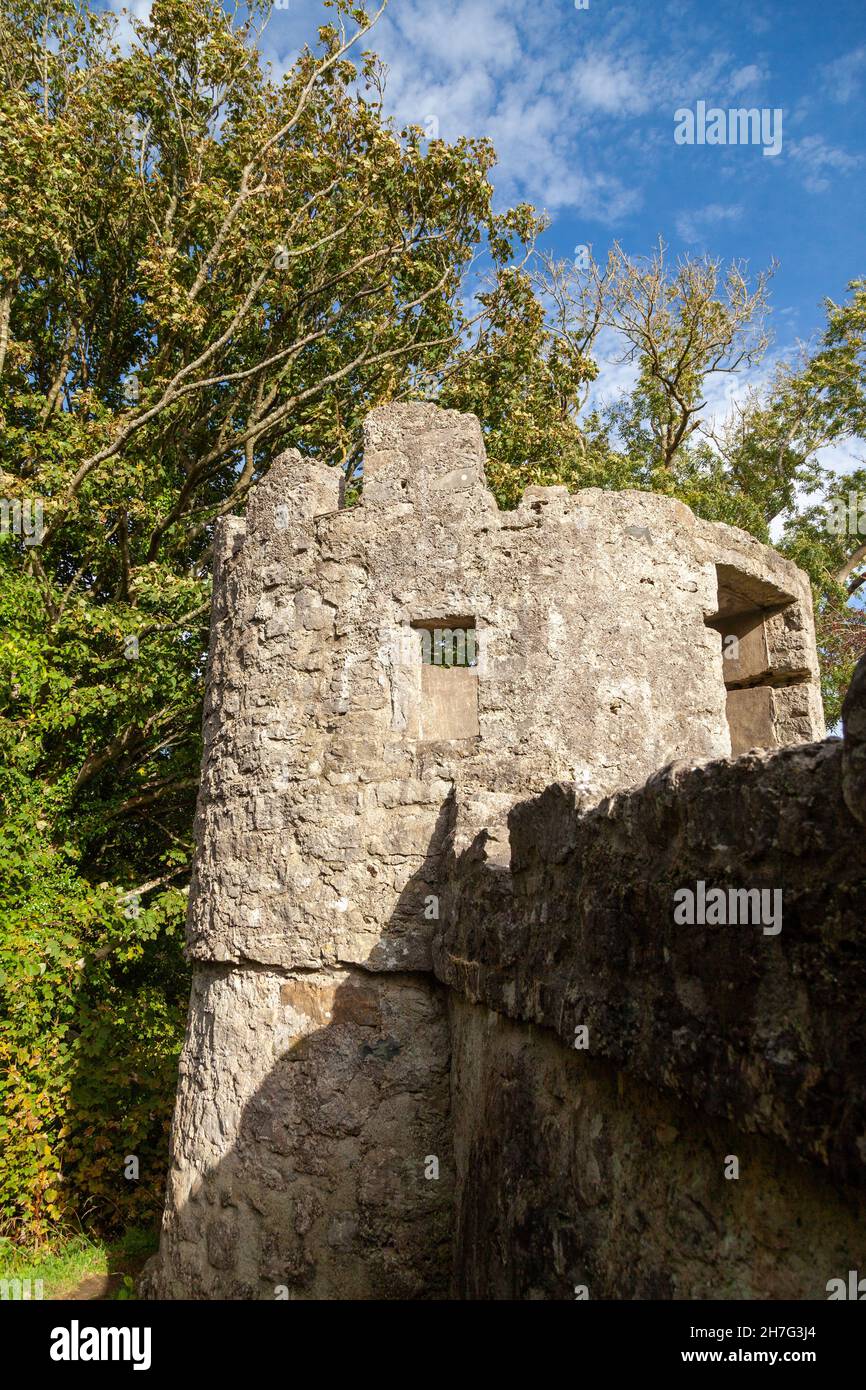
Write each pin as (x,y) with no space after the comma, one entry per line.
(844,76)
(843,457)
(617,376)
(579,105)
(456,35)
(490,68)
(132,9)
(575,109)
(615,87)
(758,22)
(692,226)
(818,160)
(746,77)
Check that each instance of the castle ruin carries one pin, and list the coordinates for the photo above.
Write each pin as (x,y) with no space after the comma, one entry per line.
(445,1036)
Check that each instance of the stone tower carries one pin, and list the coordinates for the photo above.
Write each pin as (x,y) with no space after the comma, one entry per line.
(385,682)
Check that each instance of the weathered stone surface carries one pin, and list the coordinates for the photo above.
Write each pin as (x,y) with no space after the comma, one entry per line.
(592,1149)
(307,1108)
(760,1022)
(571,1172)
(854,756)
(343,776)
(595,664)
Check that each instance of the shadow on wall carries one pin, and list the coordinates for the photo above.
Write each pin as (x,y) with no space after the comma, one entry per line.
(578,1181)
(587,1173)
(333,1172)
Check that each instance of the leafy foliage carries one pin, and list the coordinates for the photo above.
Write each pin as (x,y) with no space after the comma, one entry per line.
(200,267)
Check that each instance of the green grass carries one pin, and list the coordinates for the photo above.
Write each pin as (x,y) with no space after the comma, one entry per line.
(62,1264)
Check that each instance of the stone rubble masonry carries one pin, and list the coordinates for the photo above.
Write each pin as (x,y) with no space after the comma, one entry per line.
(854,753)
(369,955)
(751,1044)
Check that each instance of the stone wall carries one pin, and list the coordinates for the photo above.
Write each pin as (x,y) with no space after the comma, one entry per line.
(344,775)
(307,1103)
(576,1178)
(598,1158)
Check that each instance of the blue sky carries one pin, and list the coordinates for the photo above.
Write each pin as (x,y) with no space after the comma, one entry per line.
(580,106)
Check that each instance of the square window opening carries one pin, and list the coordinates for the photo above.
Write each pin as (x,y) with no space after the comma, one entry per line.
(448,642)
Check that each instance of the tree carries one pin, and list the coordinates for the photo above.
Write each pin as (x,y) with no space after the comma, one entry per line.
(835,375)
(200,266)
(771,447)
(681,324)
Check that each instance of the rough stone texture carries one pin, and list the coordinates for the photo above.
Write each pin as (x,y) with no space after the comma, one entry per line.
(766,1029)
(340,776)
(571,1172)
(308,1103)
(318,812)
(573,1168)
(854,756)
